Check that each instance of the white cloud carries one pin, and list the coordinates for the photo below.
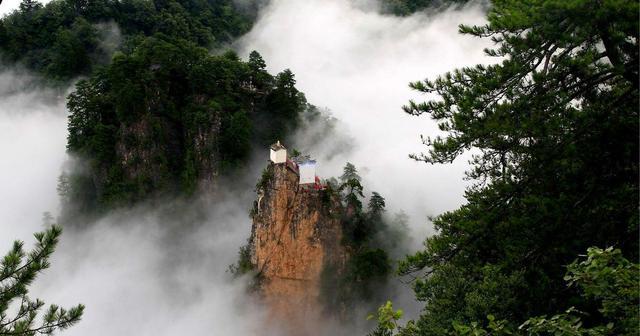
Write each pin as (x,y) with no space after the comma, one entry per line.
(358,64)
(147,273)
(7,6)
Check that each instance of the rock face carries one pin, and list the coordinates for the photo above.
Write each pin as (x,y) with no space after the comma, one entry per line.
(296,234)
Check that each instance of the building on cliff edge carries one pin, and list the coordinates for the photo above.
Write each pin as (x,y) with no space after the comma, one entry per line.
(296,242)
(303,166)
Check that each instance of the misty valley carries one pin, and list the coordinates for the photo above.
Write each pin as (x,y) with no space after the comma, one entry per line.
(319,167)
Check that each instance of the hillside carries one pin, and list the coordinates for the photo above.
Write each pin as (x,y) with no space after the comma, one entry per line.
(168,118)
(67,38)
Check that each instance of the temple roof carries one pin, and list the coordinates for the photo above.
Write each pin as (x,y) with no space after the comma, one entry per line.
(277,146)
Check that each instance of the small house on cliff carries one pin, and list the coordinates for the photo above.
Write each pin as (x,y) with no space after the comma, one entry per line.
(307,170)
(278,153)
(303,166)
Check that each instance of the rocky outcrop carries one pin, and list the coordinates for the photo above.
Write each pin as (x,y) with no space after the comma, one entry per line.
(143,159)
(296,234)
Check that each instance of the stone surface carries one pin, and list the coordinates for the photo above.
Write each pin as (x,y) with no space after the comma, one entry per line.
(296,233)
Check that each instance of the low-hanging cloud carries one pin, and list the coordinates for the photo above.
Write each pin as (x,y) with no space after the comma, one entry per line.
(145,272)
(32,152)
(358,63)
(150,270)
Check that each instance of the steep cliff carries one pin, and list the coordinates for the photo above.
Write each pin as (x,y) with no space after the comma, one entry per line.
(296,234)
(168,118)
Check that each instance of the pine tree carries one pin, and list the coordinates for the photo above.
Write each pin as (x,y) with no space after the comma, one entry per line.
(554,130)
(352,187)
(29,5)
(18,270)
(376,204)
(256,62)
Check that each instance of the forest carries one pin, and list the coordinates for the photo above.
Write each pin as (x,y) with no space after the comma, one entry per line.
(163,106)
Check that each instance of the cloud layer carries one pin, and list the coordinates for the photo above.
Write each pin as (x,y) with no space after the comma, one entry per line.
(161,271)
(358,64)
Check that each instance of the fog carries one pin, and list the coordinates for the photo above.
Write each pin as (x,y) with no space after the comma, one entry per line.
(358,64)
(6,6)
(162,270)
(32,152)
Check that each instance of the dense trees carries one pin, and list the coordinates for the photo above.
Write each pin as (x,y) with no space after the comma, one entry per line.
(370,237)
(156,112)
(18,313)
(606,278)
(554,133)
(406,7)
(65,38)
(167,115)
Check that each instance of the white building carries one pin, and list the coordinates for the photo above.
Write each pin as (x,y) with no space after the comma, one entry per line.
(307,171)
(278,153)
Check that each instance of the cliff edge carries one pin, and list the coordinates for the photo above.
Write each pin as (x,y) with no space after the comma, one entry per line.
(296,233)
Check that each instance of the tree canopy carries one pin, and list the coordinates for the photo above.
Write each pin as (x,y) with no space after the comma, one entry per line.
(166,116)
(370,237)
(553,133)
(407,7)
(66,38)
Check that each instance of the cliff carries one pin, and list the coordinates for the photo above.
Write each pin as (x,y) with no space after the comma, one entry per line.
(296,233)
(168,118)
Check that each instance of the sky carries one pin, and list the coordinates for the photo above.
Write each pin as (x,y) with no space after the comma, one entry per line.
(8,5)
(156,274)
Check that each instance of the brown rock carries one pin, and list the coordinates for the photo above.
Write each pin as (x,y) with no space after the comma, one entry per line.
(296,233)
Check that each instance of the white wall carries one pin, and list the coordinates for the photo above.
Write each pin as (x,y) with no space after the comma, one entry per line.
(307,173)
(279,156)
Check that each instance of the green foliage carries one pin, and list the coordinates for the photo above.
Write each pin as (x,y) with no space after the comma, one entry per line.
(256,62)
(59,39)
(166,115)
(612,280)
(352,188)
(387,319)
(18,270)
(368,236)
(243,265)
(376,204)
(356,229)
(554,128)
(265,179)
(365,271)
(285,103)
(407,7)
(604,276)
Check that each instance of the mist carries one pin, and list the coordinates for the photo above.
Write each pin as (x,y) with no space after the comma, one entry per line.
(155,271)
(9,5)
(32,151)
(161,270)
(358,63)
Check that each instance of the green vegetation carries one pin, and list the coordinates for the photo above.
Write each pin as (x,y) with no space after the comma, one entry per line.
(368,235)
(157,114)
(243,265)
(65,38)
(387,319)
(167,115)
(604,278)
(265,179)
(554,128)
(407,7)
(18,270)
